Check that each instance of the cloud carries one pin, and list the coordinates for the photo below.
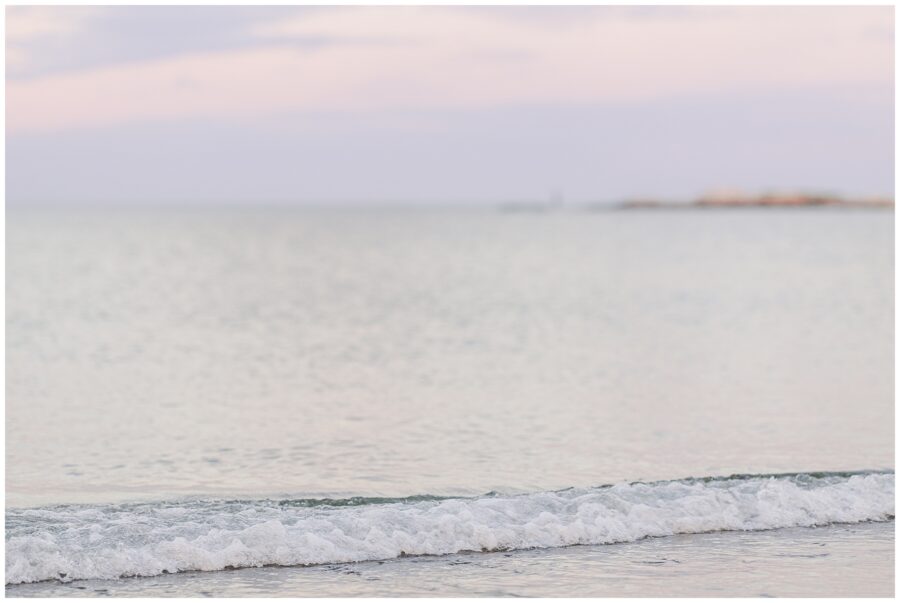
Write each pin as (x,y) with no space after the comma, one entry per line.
(396,58)
(79,38)
(25,23)
(30,26)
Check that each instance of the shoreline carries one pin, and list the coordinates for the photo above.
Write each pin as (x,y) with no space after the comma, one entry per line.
(857,558)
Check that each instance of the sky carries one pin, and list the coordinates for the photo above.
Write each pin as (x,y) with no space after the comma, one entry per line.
(332,105)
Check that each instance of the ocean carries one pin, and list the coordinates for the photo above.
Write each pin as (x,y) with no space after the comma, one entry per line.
(449,401)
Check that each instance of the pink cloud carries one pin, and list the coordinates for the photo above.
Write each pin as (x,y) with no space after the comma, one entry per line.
(407,57)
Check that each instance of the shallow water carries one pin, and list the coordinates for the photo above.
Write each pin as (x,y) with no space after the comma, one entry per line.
(174,355)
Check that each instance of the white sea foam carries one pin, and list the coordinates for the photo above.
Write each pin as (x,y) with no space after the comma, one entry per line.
(79,542)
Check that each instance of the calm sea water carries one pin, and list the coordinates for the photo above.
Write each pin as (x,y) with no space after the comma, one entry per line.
(218,388)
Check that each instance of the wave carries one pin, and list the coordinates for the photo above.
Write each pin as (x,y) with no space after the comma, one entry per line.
(114,541)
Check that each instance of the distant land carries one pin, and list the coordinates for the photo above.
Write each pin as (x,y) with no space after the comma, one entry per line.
(727,201)
(710,201)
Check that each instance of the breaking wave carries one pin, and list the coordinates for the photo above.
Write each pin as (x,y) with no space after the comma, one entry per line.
(112,541)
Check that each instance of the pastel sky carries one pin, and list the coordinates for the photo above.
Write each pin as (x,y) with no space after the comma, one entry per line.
(444,104)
